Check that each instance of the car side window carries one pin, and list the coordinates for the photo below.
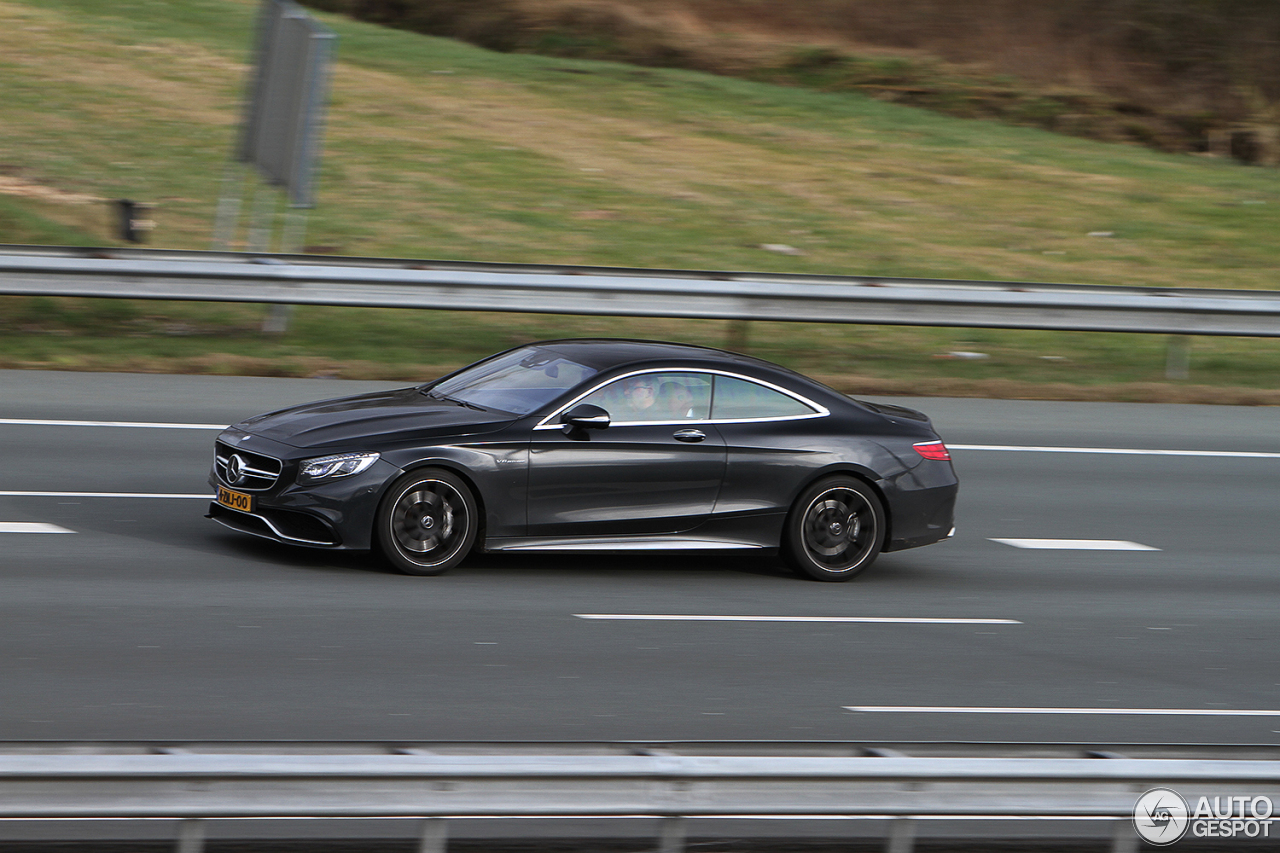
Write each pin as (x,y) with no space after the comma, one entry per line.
(655,397)
(739,399)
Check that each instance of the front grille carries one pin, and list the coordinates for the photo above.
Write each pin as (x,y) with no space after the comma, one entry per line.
(257,472)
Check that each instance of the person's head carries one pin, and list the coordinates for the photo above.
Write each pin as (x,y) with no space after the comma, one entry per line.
(678,398)
(640,392)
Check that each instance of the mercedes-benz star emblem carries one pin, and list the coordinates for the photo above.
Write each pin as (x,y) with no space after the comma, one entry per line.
(235,469)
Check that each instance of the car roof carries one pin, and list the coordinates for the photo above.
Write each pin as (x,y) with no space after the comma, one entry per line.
(609,353)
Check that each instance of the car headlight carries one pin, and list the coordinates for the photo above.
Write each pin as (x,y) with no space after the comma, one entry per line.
(332,467)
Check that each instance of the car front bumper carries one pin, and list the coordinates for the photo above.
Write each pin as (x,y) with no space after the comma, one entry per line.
(335,514)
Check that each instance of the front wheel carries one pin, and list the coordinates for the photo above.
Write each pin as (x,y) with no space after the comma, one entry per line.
(427,522)
(835,530)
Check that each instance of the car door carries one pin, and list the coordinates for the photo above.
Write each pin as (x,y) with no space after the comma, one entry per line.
(656,468)
(775,440)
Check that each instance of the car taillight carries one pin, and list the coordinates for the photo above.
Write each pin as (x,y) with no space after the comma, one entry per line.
(933,450)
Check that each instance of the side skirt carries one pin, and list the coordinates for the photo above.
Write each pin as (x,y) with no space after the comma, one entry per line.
(621,543)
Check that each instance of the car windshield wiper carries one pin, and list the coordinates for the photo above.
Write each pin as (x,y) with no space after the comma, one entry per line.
(434,395)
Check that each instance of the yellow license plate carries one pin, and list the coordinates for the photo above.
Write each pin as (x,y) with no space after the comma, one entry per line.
(235,500)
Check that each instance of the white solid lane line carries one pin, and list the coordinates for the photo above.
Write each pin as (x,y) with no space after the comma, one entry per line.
(892,620)
(31,527)
(1076,544)
(124,424)
(103,495)
(1117,451)
(1133,712)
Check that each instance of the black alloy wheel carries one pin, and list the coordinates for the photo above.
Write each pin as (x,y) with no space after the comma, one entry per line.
(427,522)
(835,530)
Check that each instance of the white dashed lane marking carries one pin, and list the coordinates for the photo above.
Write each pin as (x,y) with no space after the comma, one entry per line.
(1132,712)
(1076,544)
(1118,451)
(119,424)
(888,620)
(160,495)
(31,527)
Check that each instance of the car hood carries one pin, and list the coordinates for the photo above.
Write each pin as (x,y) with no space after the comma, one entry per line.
(402,415)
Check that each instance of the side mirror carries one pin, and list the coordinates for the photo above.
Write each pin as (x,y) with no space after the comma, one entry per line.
(585,416)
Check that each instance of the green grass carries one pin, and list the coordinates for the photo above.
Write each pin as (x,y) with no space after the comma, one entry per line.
(435,149)
(20,223)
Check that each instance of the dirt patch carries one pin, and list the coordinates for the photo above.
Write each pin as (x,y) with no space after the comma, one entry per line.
(163,79)
(23,188)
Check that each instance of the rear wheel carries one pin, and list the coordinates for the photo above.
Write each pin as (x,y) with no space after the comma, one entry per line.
(427,522)
(835,530)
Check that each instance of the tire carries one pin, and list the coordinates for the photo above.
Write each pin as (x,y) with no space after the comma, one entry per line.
(427,522)
(836,529)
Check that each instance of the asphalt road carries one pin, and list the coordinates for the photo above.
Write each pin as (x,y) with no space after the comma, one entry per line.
(148,621)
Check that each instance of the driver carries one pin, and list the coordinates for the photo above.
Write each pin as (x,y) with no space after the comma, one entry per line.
(639,394)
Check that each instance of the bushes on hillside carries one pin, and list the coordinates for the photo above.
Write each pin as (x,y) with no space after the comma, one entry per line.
(1174,71)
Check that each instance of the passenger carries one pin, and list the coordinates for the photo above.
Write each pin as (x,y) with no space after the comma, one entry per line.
(677,400)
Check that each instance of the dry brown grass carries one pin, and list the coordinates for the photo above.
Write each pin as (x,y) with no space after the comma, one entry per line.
(222,364)
(227,364)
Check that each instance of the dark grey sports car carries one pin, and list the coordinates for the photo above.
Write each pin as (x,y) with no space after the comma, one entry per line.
(593,445)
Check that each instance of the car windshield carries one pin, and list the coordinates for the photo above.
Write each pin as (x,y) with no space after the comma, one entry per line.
(518,382)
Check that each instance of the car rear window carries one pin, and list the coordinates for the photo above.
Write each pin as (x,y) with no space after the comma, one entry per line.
(738,399)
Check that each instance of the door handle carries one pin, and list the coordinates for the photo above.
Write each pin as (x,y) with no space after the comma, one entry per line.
(689,435)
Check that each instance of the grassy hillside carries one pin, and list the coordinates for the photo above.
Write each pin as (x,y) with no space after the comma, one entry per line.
(438,149)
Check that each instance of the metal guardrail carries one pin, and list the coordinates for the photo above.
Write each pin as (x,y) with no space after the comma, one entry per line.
(367,282)
(439,782)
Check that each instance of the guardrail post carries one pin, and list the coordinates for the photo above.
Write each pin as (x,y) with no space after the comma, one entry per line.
(1123,838)
(902,835)
(672,835)
(1177,359)
(224,223)
(191,836)
(277,320)
(738,335)
(435,835)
